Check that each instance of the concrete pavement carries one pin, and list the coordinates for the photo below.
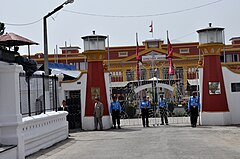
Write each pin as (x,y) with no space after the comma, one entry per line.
(176,141)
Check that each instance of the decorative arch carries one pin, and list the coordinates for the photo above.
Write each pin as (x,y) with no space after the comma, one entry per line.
(166,86)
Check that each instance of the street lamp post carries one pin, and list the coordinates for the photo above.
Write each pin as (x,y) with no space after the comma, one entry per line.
(45,34)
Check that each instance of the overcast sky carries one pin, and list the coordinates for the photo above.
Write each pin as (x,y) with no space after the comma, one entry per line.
(120,21)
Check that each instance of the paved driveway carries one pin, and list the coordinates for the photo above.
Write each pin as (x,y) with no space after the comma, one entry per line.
(162,142)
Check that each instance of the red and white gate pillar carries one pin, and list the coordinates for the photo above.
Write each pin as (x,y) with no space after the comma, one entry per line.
(94,50)
(214,109)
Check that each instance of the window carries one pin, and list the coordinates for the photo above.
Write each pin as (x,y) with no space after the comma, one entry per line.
(76,65)
(165,73)
(116,76)
(235,87)
(229,58)
(153,44)
(155,72)
(122,54)
(235,57)
(184,50)
(83,66)
(222,58)
(143,74)
(130,75)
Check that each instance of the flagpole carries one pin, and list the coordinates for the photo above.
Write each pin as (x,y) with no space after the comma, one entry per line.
(137,67)
(168,60)
(110,76)
(152,28)
(167,38)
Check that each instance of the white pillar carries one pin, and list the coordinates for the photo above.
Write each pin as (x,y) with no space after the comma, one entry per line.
(10,117)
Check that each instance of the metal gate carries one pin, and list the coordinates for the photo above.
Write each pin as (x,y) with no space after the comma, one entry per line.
(131,114)
(155,121)
(74,110)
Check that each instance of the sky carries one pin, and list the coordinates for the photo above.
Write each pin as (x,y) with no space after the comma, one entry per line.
(120,20)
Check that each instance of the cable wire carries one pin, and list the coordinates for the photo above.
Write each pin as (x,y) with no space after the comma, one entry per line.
(183,36)
(141,16)
(23,24)
(119,16)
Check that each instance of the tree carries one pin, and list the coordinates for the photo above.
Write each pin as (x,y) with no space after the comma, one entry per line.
(2,28)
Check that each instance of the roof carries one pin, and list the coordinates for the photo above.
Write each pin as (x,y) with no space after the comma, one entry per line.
(71,73)
(94,36)
(234,38)
(210,29)
(70,48)
(12,39)
(62,66)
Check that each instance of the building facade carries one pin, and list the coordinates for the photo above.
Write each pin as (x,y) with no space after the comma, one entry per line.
(121,61)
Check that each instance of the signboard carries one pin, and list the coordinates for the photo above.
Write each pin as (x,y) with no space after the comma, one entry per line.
(214,87)
(153,57)
(95,92)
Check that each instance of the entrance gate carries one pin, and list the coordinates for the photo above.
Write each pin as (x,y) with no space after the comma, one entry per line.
(181,118)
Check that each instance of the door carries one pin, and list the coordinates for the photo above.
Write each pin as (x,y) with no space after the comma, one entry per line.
(74,109)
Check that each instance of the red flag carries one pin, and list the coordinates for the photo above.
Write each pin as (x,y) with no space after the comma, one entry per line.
(170,56)
(170,68)
(151,27)
(170,49)
(137,48)
(137,58)
(137,70)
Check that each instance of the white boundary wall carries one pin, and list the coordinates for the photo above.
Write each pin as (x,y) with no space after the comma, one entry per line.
(233,98)
(44,130)
(29,134)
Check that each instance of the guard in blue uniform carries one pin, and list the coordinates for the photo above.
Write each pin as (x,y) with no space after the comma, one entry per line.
(163,106)
(193,108)
(115,110)
(145,106)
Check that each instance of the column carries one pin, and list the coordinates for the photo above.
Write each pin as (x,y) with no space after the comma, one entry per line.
(10,117)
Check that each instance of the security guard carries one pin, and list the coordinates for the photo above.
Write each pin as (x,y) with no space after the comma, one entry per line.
(193,108)
(115,110)
(145,106)
(163,106)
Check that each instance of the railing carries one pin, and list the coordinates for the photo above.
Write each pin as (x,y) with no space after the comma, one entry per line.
(32,94)
(155,121)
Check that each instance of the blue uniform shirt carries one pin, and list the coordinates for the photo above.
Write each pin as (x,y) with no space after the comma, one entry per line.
(194,101)
(144,104)
(115,105)
(162,103)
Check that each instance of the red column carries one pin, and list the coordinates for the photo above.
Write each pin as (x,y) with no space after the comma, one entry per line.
(95,79)
(212,72)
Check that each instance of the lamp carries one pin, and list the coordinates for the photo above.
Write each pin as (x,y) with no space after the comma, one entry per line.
(45,34)
(211,35)
(45,38)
